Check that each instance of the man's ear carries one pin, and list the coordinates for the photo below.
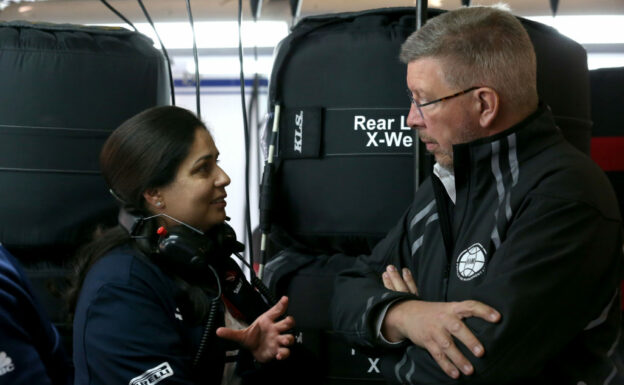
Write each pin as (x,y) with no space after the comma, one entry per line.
(489,106)
(154,198)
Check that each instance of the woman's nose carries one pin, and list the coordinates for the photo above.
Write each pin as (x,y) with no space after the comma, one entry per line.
(223,179)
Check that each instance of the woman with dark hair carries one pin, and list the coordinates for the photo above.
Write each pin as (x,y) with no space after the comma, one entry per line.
(142,316)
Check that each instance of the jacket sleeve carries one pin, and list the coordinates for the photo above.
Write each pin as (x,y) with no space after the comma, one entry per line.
(553,277)
(359,295)
(129,335)
(20,362)
(30,346)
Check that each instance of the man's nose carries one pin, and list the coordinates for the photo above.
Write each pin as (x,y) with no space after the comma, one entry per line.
(414,119)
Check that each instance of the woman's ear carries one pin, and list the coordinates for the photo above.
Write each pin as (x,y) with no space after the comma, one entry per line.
(153,198)
(489,106)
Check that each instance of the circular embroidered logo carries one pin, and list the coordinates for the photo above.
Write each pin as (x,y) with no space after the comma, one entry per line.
(471,262)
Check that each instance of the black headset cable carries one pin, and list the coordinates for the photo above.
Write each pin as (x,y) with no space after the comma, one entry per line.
(245,128)
(149,20)
(116,12)
(195,58)
(253,111)
(210,321)
(266,190)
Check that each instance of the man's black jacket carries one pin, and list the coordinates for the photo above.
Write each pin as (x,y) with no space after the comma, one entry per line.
(535,233)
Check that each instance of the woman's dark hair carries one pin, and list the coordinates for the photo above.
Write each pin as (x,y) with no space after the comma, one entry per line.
(143,152)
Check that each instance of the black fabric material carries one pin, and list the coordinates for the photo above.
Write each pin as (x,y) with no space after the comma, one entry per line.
(64,89)
(446,209)
(537,236)
(563,81)
(361,131)
(342,61)
(347,199)
(607,100)
(301,130)
(132,317)
(308,279)
(30,350)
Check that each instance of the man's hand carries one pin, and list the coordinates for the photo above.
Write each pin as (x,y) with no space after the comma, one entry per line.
(393,281)
(263,337)
(432,325)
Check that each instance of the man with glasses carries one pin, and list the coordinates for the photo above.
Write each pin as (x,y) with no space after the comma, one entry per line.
(511,254)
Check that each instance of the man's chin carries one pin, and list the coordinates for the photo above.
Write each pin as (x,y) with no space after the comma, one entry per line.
(444,161)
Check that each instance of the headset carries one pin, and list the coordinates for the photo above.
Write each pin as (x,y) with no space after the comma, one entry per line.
(195,256)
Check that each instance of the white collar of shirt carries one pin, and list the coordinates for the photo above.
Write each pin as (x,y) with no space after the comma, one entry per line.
(447,177)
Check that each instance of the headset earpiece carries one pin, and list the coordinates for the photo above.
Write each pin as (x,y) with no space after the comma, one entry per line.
(140,229)
(181,246)
(188,253)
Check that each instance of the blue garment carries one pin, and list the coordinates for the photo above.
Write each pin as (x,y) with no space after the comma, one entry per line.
(30,347)
(131,327)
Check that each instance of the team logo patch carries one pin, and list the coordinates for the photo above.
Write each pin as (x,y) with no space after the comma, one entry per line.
(471,262)
(153,376)
(6,364)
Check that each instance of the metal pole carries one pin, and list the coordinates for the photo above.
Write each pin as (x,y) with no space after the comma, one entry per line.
(419,150)
(421,13)
(554,5)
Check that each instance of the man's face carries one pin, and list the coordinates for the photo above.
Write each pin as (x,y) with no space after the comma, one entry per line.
(445,123)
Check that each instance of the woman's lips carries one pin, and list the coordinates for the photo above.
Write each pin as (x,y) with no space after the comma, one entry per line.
(219,201)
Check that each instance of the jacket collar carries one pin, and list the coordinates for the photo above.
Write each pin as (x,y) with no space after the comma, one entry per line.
(533,134)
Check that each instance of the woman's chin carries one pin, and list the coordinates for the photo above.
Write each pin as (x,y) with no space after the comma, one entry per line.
(216,220)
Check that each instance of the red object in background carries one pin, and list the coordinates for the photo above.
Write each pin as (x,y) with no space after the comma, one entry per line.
(608,152)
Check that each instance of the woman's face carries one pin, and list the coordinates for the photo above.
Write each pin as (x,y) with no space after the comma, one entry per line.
(197,194)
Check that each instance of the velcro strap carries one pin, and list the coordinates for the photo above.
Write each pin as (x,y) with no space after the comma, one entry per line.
(314,132)
(300,132)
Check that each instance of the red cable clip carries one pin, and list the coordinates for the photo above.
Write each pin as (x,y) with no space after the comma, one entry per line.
(162,231)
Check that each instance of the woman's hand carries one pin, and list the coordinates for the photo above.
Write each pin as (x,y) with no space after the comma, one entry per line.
(263,337)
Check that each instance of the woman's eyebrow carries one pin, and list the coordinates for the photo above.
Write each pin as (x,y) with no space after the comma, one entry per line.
(207,156)
(201,158)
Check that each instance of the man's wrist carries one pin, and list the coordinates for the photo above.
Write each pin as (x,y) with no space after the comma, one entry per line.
(391,328)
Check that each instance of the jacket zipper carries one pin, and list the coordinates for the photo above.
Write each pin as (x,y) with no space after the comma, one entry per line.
(442,202)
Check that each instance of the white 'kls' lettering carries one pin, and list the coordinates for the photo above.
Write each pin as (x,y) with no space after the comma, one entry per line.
(299,131)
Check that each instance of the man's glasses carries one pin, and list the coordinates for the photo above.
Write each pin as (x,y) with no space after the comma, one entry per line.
(419,105)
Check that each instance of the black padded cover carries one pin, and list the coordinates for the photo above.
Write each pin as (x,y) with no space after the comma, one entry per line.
(343,71)
(63,89)
(607,106)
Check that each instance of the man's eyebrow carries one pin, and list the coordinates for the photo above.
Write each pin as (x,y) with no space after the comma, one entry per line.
(415,91)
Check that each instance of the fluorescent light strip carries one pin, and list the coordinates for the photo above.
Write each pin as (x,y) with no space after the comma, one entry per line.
(227,66)
(215,34)
(587,29)
(600,60)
